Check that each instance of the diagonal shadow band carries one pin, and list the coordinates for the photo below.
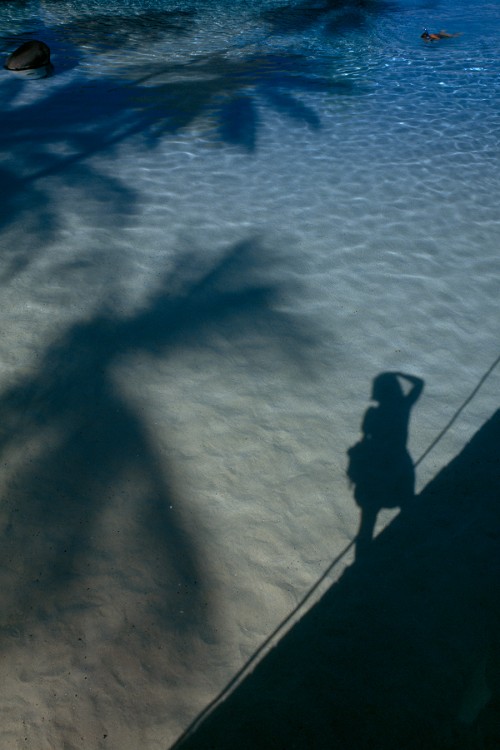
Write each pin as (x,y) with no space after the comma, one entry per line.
(293,617)
(403,651)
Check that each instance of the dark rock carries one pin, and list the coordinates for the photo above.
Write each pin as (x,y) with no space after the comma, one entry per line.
(33,54)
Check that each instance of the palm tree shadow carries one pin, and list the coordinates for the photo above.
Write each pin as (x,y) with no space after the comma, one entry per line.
(230,91)
(50,141)
(335,16)
(379,465)
(114,31)
(78,450)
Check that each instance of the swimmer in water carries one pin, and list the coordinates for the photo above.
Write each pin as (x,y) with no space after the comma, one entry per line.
(436,37)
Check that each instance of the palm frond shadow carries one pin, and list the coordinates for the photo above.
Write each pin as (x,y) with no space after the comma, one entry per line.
(50,141)
(102,30)
(77,450)
(231,91)
(333,16)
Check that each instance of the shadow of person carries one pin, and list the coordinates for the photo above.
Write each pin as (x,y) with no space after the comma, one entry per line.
(413,663)
(379,465)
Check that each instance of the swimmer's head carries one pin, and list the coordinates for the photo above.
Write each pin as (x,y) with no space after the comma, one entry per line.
(425,34)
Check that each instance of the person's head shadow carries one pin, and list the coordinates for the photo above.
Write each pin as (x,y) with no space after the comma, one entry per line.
(380,467)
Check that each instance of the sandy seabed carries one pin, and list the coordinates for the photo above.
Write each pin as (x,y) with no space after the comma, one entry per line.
(209,252)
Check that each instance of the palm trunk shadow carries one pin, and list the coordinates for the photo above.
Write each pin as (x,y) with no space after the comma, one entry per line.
(87,486)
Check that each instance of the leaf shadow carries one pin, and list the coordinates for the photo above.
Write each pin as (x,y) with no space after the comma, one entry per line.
(75,449)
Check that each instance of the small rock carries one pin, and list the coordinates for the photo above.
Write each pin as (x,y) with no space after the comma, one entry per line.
(30,55)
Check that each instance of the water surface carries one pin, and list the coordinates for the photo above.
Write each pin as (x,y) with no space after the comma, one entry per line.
(220,222)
